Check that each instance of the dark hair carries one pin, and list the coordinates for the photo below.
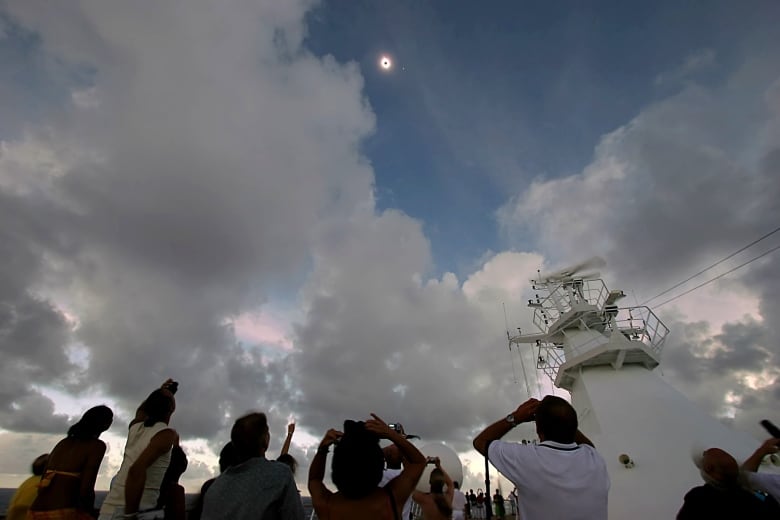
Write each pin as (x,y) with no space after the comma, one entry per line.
(556,419)
(227,457)
(158,407)
(436,481)
(39,464)
(247,434)
(456,484)
(95,421)
(358,461)
(289,460)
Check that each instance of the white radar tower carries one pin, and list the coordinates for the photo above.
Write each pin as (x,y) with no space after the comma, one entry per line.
(605,354)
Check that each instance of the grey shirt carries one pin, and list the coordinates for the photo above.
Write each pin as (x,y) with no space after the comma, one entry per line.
(257,489)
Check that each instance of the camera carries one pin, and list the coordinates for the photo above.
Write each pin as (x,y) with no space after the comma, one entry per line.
(173,386)
(398,427)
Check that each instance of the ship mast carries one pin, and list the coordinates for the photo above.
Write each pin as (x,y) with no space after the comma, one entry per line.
(605,355)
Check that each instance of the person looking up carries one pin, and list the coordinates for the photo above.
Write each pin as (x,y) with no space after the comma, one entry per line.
(766,482)
(436,505)
(27,491)
(67,488)
(561,477)
(135,490)
(722,495)
(253,487)
(356,471)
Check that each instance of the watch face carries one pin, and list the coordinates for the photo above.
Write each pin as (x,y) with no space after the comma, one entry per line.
(510,418)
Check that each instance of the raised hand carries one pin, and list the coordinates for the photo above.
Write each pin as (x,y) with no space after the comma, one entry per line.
(330,437)
(379,427)
(290,428)
(527,411)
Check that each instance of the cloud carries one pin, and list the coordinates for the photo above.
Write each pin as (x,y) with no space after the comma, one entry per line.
(694,63)
(689,180)
(189,175)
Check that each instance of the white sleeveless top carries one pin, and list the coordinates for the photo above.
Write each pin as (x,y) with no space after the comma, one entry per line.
(138,439)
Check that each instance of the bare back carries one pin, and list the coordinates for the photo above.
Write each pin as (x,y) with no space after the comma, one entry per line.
(430,511)
(376,505)
(74,463)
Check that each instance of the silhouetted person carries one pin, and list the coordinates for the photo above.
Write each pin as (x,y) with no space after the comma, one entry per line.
(561,477)
(227,458)
(357,468)
(26,492)
(766,482)
(67,488)
(437,504)
(254,487)
(722,495)
(171,499)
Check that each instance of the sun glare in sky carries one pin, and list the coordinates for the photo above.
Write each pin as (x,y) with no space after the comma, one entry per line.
(385,63)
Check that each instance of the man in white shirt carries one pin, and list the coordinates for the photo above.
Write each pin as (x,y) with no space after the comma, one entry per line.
(458,502)
(561,477)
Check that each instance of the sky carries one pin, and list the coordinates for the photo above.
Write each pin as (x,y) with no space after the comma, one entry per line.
(237,196)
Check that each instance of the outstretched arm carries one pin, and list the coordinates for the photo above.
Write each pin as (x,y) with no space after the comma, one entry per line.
(288,439)
(524,413)
(140,413)
(767,448)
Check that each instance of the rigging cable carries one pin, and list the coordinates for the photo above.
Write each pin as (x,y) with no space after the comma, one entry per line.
(710,267)
(719,276)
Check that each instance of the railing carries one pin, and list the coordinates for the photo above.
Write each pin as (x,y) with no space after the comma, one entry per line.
(634,323)
(562,296)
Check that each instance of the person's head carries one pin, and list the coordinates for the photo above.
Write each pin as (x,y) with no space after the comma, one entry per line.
(436,481)
(227,457)
(159,407)
(39,464)
(719,466)
(95,421)
(456,484)
(393,456)
(288,460)
(358,461)
(250,436)
(556,420)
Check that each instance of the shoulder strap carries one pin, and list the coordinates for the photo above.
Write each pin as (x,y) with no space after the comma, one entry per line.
(392,502)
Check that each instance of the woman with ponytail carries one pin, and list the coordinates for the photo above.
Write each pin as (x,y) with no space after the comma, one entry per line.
(67,487)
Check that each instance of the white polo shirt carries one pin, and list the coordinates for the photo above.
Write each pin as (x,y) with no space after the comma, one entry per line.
(554,480)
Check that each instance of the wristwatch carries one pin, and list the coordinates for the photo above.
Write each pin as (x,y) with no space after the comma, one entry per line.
(511,419)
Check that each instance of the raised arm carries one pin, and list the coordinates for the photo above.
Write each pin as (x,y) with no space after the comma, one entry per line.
(524,413)
(447,481)
(161,443)
(288,439)
(768,447)
(140,413)
(414,461)
(317,489)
